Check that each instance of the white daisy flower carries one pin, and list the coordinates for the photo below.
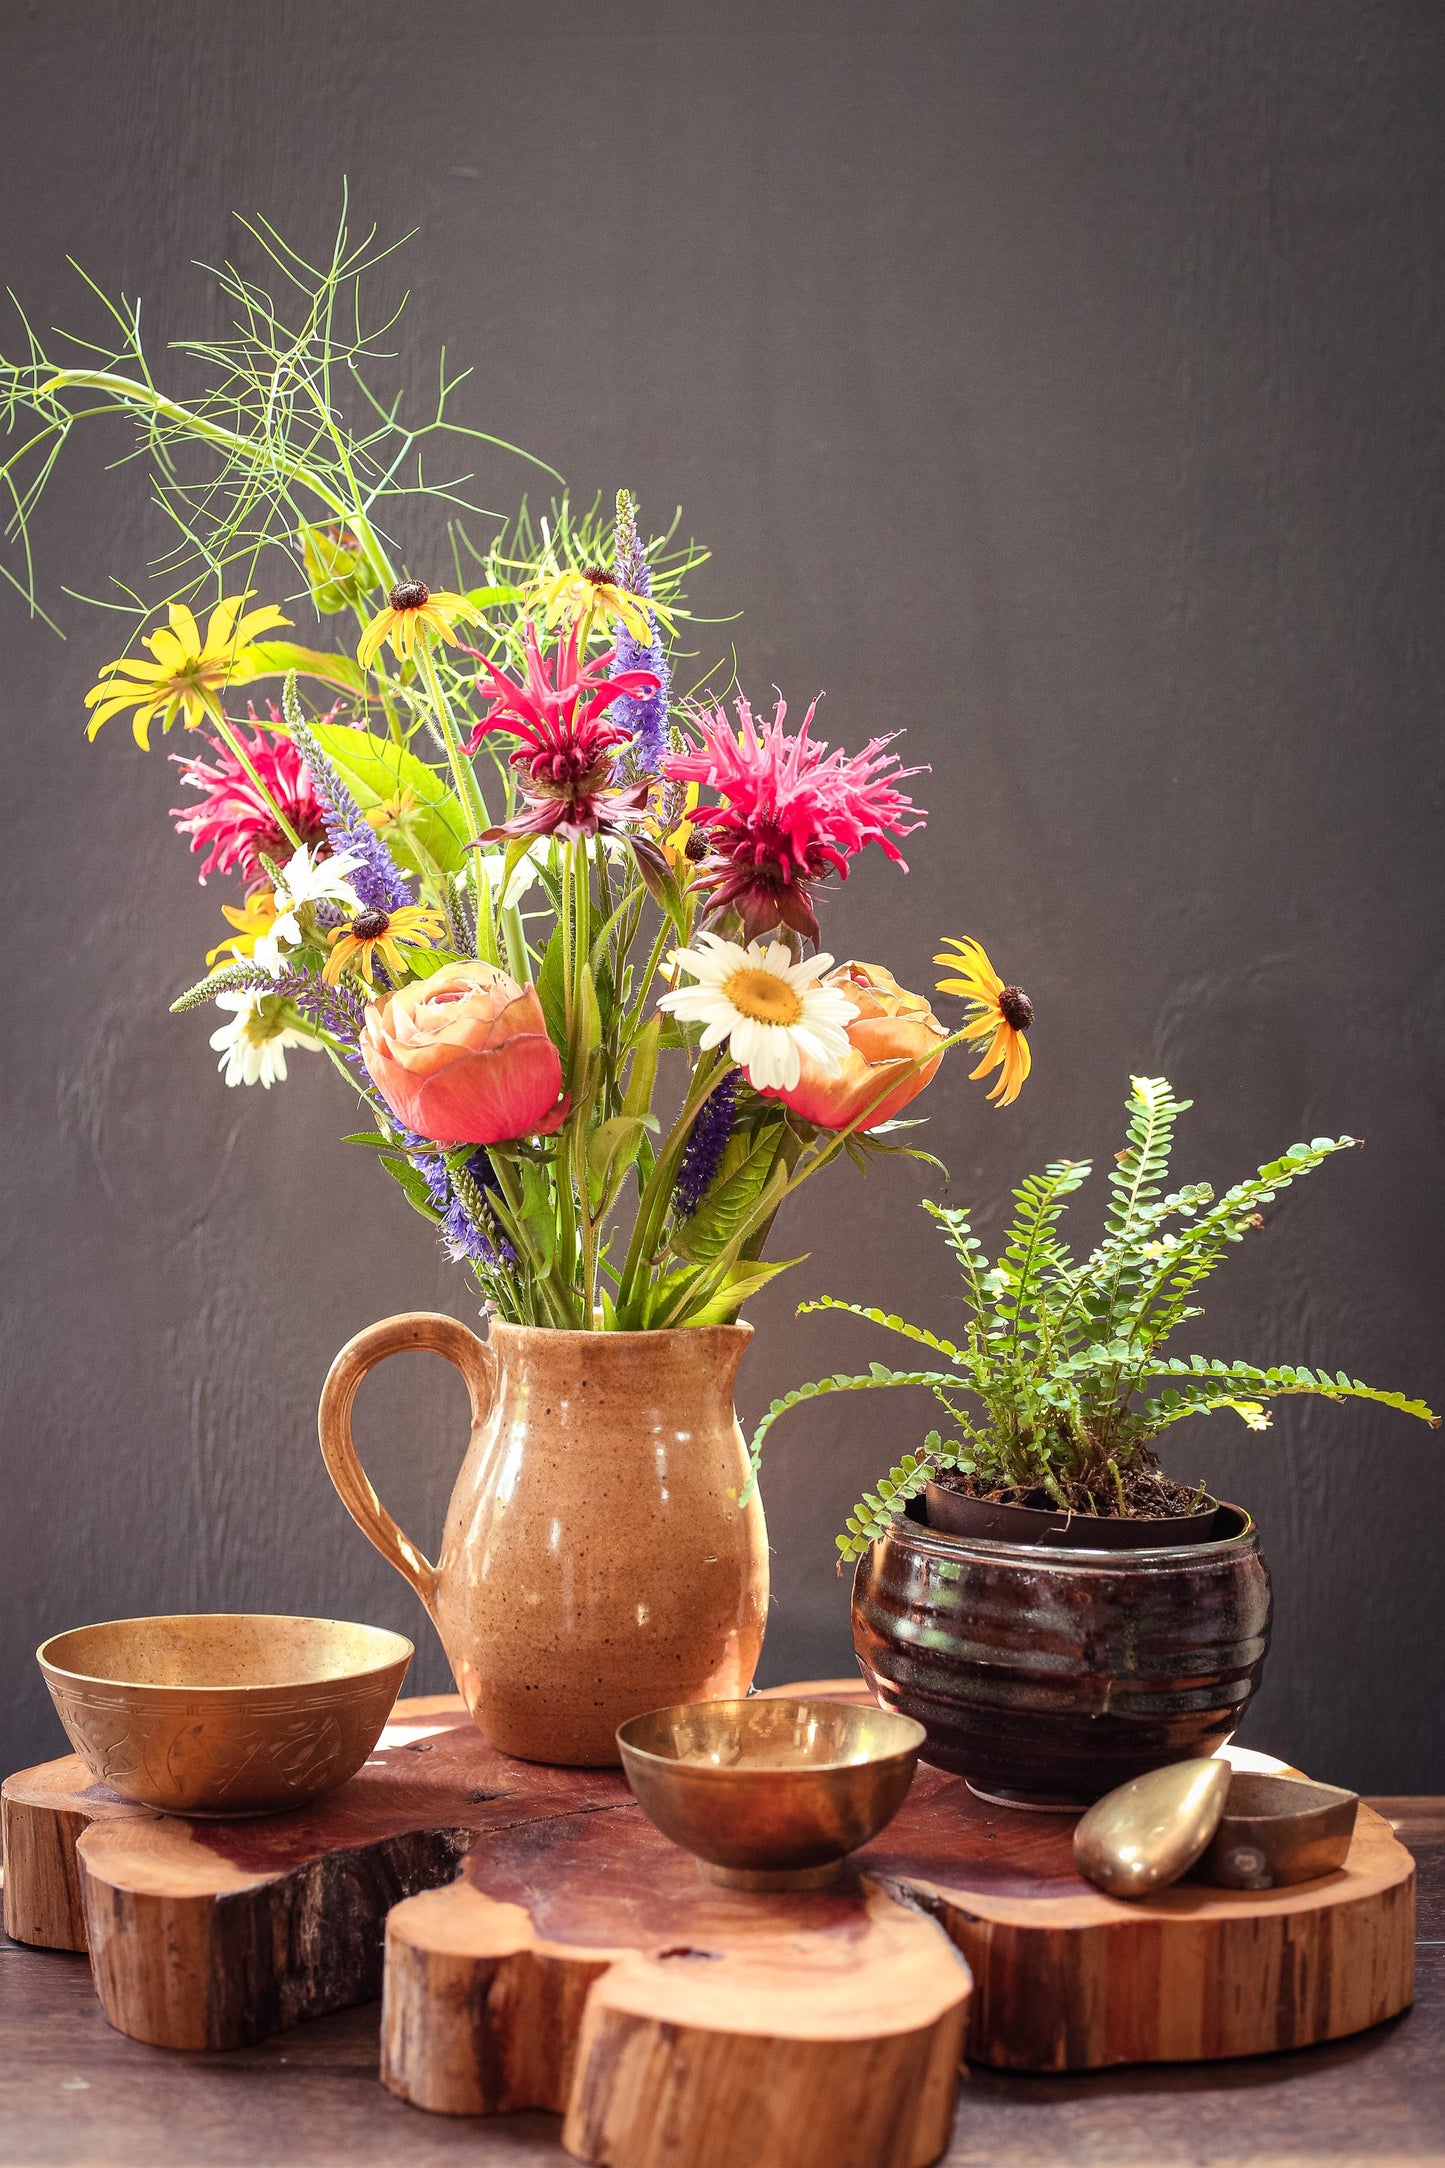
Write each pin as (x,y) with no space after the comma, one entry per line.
(492,866)
(253,1045)
(768,1008)
(308,880)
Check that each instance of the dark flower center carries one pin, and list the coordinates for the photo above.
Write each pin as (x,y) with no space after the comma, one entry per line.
(409,595)
(696,847)
(598,575)
(571,771)
(1015,1007)
(370,925)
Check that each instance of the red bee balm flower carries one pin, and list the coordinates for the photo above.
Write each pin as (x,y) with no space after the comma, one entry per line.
(234,820)
(792,813)
(567,747)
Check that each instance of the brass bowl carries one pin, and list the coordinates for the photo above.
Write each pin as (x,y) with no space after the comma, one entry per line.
(1277,1829)
(225,1713)
(770,1794)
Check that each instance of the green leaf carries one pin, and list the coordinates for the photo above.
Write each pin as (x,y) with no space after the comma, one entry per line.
(613,1145)
(277,658)
(377,771)
(551,989)
(870,1382)
(744,1280)
(727,1205)
(1219,1384)
(642,1076)
(587,1032)
(414,1185)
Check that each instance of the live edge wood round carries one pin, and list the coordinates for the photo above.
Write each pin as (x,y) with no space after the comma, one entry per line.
(578,1962)
(584,1965)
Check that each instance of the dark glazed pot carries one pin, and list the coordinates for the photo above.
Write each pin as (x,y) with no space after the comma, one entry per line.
(1049,1674)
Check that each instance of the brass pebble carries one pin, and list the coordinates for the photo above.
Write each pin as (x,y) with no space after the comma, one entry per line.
(1146,1834)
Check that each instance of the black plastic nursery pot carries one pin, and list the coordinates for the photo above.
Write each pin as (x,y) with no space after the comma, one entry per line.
(1047,1673)
(959,1515)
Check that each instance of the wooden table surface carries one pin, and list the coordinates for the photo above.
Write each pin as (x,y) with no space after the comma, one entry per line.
(74,2094)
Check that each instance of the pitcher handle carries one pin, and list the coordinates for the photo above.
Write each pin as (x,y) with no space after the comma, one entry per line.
(429,1331)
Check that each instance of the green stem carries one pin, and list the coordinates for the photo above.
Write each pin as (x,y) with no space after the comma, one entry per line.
(652,1206)
(235,746)
(128,392)
(468,789)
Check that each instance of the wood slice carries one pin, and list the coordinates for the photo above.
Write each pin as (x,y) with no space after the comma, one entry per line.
(1066,1978)
(210,1934)
(584,1965)
(42,1814)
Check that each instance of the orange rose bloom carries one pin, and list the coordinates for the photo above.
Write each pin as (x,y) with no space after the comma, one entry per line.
(464,1057)
(891,1027)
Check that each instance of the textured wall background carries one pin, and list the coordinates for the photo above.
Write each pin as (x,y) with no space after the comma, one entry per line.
(1060,381)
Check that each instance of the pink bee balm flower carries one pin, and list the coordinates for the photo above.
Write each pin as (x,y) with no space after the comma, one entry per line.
(565,757)
(233,820)
(792,813)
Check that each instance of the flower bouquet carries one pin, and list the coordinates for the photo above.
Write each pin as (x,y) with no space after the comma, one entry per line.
(555,925)
(490,864)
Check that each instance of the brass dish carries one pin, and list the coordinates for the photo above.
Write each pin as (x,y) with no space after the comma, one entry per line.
(770,1794)
(1240,1829)
(227,1713)
(1276,1830)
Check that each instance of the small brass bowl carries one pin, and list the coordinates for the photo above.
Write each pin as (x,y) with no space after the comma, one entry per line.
(770,1794)
(226,1713)
(1278,1829)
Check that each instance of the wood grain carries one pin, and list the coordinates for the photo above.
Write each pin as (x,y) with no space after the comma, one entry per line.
(73,2091)
(43,1813)
(1069,1979)
(583,1965)
(214,1934)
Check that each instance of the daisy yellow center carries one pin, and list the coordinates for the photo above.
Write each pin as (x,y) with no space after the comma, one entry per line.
(764,997)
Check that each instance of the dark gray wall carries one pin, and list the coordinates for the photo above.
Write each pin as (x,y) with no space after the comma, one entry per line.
(1059,381)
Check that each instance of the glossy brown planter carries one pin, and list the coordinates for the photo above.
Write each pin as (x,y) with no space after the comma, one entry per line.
(1051,1674)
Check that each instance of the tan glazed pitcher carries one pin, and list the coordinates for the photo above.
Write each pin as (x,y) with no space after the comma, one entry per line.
(595,1562)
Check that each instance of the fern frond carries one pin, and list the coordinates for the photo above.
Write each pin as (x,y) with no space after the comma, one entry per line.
(1033,1262)
(879,1376)
(892,1322)
(875,1513)
(1228,1382)
(966,1247)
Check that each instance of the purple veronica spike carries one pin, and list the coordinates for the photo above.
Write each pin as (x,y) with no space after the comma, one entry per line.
(646,719)
(377,880)
(334,1008)
(705,1147)
(461,1237)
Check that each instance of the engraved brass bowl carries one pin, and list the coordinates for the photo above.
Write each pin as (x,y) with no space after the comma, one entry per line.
(226,1713)
(770,1794)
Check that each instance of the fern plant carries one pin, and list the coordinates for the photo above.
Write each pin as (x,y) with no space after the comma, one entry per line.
(1058,1384)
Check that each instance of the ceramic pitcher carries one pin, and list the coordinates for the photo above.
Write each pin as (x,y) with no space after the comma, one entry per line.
(595,1562)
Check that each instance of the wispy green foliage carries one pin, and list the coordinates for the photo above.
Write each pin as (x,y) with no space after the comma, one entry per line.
(1046,1388)
(291,432)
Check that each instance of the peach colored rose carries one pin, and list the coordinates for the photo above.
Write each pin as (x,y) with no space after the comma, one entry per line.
(464,1057)
(892,1027)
